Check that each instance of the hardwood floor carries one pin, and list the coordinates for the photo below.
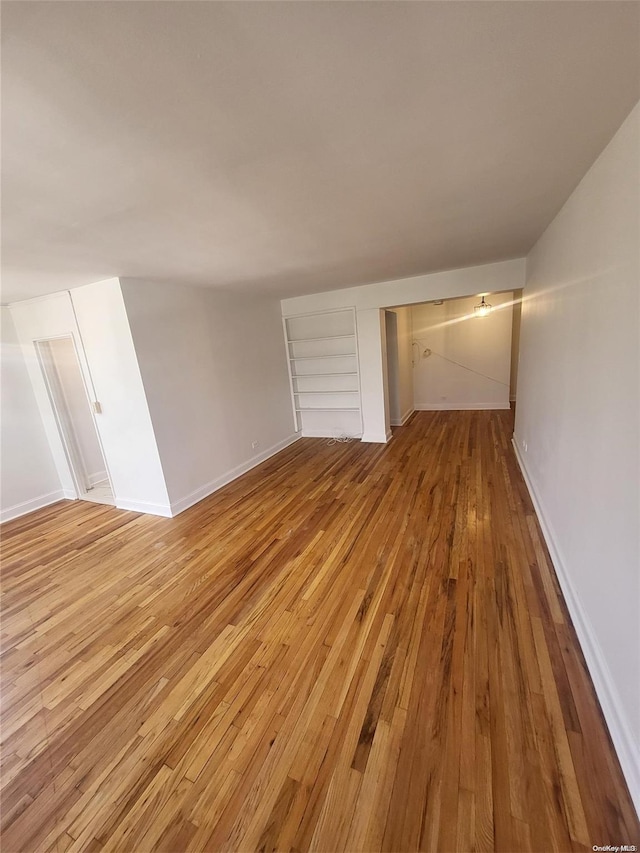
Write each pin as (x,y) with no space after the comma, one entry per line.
(352,647)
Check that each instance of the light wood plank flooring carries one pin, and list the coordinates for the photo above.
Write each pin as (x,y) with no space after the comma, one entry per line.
(352,647)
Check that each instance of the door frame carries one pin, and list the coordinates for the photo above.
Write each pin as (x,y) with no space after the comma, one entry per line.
(62,417)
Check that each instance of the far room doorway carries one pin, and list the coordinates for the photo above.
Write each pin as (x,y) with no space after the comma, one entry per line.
(75,419)
(451,354)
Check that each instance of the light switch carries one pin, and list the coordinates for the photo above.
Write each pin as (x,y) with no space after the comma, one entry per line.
(97,408)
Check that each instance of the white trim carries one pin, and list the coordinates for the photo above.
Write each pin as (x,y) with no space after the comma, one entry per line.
(320,433)
(404,418)
(297,421)
(457,407)
(32,505)
(620,728)
(358,370)
(376,438)
(213,486)
(319,311)
(141,506)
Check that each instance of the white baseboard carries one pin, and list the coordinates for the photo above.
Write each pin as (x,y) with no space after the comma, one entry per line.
(32,505)
(65,494)
(404,418)
(620,728)
(376,438)
(460,407)
(98,477)
(320,433)
(142,506)
(213,486)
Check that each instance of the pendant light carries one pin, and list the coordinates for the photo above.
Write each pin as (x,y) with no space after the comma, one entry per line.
(482,309)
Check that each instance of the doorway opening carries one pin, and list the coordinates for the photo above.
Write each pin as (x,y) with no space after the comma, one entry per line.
(443,355)
(75,419)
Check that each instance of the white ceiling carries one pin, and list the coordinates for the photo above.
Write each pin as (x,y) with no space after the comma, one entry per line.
(299,146)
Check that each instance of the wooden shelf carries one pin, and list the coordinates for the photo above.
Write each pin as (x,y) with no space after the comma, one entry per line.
(328,338)
(314,357)
(329,409)
(313,375)
(327,333)
(324,391)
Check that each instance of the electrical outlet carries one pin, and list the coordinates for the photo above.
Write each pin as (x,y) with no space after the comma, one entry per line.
(255,444)
(524,445)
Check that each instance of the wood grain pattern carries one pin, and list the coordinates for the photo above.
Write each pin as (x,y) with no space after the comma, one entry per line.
(352,647)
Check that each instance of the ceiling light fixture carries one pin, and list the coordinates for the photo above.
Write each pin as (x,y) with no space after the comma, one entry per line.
(482,309)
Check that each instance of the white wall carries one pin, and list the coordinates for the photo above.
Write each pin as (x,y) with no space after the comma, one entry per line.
(94,316)
(215,373)
(125,427)
(369,299)
(578,423)
(372,355)
(71,384)
(462,361)
(487,278)
(28,476)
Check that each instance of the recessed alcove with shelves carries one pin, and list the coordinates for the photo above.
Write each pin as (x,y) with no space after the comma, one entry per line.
(323,365)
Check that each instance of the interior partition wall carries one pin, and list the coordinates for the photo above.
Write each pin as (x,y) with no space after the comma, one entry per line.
(94,318)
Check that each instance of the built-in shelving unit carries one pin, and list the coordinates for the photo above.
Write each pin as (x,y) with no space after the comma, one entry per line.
(323,366)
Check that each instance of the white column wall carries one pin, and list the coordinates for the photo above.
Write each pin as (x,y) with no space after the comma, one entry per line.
(373,375)
(95,317)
